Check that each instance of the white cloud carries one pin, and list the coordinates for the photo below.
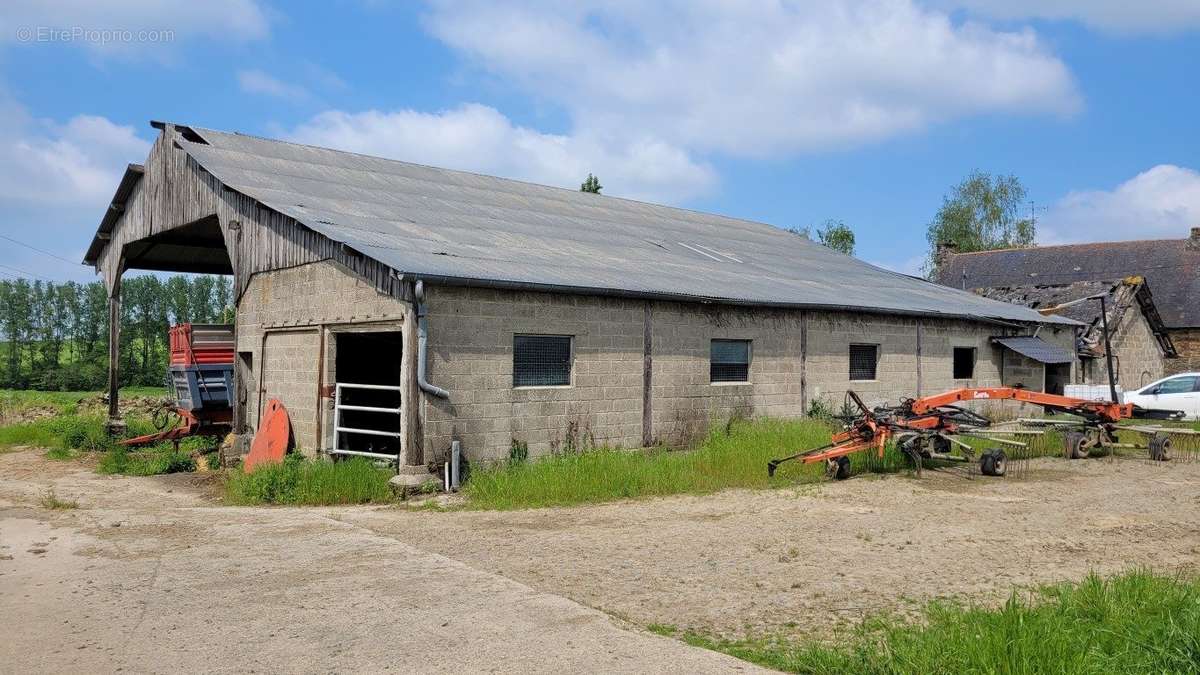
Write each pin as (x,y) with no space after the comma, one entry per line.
(63,166)
(478,138)
(55,181)
(259,82)
(1160,203)
(1113,16)
(756,78)
(235,20)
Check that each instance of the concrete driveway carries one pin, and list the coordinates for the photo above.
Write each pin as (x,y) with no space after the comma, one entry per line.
(147,576)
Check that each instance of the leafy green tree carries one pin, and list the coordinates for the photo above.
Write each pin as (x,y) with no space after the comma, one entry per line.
(178,296)
(55,335)
(591,184)
(981,213)
(832,233)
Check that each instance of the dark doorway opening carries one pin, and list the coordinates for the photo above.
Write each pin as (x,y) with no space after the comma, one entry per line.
(1058,376)
(367,373)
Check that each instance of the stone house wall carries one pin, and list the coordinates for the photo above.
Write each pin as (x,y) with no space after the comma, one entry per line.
(1187,343)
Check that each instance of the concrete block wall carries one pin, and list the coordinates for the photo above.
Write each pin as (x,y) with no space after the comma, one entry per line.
(470,354)
(471,335)
(296,310)
(685,403)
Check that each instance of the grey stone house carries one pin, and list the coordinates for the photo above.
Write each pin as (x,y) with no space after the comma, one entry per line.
(491,311)
(1154,334)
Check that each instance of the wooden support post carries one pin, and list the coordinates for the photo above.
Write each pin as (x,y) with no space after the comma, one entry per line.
(115,423)
(410,397)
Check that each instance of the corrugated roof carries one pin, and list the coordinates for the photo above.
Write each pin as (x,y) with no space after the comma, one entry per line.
(1037,349)
(1171,266)
(469,228)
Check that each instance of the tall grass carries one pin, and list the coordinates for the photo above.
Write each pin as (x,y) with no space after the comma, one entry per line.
(732,456)
(1137,622)
(298,481)
(67,402)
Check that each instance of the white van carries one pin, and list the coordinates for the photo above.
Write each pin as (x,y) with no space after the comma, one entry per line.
(1177,392)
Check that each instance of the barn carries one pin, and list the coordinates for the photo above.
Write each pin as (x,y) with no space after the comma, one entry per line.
(420,306)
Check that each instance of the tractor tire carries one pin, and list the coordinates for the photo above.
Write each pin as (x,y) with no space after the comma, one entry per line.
(842,470)
(994,462)
(1073,445)
(1160,447)
(939,445)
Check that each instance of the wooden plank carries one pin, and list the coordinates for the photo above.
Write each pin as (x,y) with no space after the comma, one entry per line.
(114,353)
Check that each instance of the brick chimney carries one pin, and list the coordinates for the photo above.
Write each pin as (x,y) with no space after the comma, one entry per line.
(947,248)
(1194,240)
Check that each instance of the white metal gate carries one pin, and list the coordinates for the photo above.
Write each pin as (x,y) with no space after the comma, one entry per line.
(340,431)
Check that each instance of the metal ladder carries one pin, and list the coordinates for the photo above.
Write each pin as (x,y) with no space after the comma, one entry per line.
(338,429)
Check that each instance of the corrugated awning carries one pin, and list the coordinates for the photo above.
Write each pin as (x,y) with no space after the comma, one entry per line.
(1037,349)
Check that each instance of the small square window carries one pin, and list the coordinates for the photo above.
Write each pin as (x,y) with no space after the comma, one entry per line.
(541,360)
(864,359)
(729,361)
(964,363)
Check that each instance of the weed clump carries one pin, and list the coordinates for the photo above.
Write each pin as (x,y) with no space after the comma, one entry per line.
(731,456)
(299,481)
(50,500)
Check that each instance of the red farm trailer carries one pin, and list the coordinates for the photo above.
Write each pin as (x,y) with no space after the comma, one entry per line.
(201,374)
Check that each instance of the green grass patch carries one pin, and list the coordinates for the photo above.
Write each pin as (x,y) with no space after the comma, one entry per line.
(66,402)
(731,456)
(1137,622)
(299,481)
(153,461)
(50,500)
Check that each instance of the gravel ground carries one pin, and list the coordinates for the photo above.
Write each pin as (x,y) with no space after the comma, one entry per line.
(753,561)
(148,575)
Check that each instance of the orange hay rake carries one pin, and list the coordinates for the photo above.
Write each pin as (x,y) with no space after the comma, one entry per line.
(923,428)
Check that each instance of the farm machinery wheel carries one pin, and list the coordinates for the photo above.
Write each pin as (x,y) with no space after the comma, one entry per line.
(993,462)
(1160,447)
(166,417)
(1076,445)
(838,467)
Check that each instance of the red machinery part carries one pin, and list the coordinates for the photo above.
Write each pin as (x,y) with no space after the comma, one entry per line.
(274,437)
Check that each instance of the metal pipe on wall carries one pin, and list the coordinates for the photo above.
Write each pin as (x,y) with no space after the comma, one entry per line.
(422,348)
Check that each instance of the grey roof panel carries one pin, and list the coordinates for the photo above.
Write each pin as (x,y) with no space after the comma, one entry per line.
(1171,266)
(466,227)
(1037,349)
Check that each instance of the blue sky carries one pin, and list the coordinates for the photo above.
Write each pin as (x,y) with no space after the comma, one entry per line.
(866,111)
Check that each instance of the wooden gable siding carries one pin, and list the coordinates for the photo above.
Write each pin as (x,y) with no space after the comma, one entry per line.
(176,191)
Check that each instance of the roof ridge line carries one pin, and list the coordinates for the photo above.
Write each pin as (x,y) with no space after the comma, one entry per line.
(1083,243)
(641,202)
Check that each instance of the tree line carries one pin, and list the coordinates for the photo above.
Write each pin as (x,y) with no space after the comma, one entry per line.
(55,335)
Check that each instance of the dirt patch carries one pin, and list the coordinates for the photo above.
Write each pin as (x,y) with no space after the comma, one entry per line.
(140,406)
(746,562)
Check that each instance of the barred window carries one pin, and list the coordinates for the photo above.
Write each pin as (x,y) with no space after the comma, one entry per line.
(541,360)
(964,363)
(729,361)
(864,359)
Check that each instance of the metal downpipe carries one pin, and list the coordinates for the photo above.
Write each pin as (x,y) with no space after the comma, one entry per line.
(422,349)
